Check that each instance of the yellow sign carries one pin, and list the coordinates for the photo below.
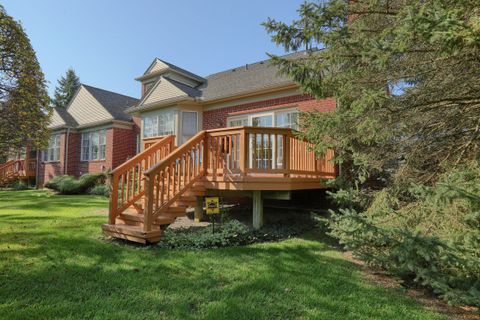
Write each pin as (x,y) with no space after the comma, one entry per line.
(213,205)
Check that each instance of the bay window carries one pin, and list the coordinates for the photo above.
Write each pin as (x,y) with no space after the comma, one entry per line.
(93,145)
(161,124)
(52,153)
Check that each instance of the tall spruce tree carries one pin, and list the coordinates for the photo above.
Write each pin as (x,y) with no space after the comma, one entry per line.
(24,101)
(405,77)
(66,88)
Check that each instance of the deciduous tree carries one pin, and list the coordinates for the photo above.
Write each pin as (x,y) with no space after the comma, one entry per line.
(24,102)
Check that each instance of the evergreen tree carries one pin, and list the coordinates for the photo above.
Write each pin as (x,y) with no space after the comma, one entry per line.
(66,88)
(24,102)
(405,77)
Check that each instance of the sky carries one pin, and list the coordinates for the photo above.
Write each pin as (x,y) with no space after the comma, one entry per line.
(110,42)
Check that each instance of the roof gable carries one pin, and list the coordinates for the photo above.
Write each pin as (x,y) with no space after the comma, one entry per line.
(56,120)
(85,109)
(163,90)
(156,66)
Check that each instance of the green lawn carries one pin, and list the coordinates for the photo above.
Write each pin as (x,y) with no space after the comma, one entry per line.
(54,264)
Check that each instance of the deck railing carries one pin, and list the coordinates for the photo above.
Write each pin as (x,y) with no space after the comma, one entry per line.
(11,170)
(241,152)
(127,180)
(264,151)
(167,180)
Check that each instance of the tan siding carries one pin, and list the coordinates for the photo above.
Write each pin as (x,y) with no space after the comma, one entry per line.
(157,66)
(56,120)
(163,91)
(86,109)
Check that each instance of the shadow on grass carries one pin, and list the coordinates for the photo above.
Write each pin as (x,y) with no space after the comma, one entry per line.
(52,271)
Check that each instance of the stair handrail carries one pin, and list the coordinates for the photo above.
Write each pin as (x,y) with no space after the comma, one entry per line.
(174,174)
(11,169)
(130,174)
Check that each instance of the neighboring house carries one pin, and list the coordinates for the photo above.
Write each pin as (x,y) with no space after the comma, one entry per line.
(92,134)
(228,134)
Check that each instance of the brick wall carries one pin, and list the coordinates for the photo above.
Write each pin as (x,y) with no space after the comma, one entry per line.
(48,170)
(124,142)
(217,118)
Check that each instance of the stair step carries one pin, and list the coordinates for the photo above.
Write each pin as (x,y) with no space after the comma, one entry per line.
(138,218)
(132,233)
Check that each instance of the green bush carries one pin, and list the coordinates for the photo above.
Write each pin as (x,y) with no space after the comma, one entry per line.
(69,185)
(90,180)
(230,234)
(101,190)
(54,183)
(429,235)
(19,185)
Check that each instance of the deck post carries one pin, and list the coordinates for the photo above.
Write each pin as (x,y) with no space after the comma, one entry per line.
(199,209)
(257,209)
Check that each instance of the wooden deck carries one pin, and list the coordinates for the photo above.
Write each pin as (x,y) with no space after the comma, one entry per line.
(162,181)
(17,169)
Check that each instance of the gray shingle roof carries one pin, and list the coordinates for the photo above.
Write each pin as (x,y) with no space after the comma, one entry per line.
(66,117)
(247,78)
(181,70)
(114,103)
(250,77)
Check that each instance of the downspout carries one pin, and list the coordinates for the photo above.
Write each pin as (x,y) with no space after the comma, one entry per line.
(37,169)
(65,162)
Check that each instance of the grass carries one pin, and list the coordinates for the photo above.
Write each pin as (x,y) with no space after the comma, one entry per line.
(54,264)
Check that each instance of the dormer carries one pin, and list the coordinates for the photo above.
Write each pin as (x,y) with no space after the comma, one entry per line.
(159,68)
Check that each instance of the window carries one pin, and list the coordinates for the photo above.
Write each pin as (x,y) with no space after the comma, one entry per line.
(189,124)
(93,145)
(239,122)
(52,153)
(288,119)
(158,125)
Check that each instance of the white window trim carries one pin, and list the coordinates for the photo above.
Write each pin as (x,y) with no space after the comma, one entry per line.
(250,116)
(89,133)
(55,150)
(156,133)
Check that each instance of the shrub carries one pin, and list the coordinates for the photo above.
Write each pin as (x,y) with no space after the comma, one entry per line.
(101,190)
(90,180)
(69,185)
(230,234)
(54,183)
(19,185)
(431,237)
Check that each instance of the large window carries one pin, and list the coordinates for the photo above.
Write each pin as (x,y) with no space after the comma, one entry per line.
(93,145)
(287,119)
(52,153)
(158,125)
(280,119)
(238,122)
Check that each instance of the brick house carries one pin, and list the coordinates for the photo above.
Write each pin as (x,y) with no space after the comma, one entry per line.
(92,134)
(227,134)
(176,101)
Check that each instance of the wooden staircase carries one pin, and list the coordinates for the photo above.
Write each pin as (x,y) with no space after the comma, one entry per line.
(158,185)
(153,189)
(10,171)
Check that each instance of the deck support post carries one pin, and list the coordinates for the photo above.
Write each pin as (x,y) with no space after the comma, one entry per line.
(199,209)
(257,209)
